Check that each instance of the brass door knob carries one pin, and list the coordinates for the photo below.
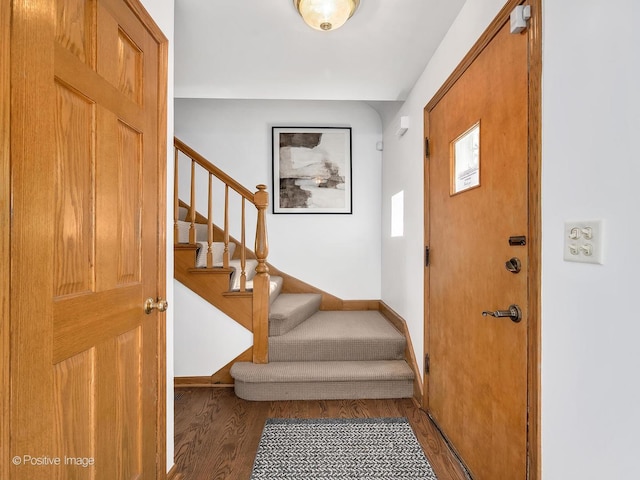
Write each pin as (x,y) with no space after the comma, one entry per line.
(160,304)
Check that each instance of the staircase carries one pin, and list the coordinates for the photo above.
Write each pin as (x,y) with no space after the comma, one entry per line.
(304,347)
(323,355)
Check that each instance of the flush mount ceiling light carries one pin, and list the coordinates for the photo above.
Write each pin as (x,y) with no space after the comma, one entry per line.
(326,14)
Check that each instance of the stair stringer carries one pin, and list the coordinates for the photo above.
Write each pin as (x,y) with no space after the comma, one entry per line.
(212,284)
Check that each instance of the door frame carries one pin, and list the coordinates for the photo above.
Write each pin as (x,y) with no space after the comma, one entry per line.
(5,229)
(161,195)
(5,215)
(534,234)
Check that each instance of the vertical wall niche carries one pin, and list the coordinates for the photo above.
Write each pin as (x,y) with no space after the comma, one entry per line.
(397,214)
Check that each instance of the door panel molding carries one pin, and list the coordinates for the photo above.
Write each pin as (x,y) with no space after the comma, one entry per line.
(534,35)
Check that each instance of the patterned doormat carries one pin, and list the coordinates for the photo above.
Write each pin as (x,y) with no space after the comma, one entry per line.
(336,449)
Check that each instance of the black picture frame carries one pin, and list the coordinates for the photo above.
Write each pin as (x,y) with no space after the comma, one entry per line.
(312,169)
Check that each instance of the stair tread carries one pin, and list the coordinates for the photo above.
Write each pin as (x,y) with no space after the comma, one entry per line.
(274,293)
(365,324)
(290,310)
(212,270)
(290,302)
(340,335)
(319,371)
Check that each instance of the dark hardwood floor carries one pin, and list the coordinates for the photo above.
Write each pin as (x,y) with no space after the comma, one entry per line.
(217,434)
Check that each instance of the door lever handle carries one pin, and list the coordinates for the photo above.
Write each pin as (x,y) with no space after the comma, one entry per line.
(514,313)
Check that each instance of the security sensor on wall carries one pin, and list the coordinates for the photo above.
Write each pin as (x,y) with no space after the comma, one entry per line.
(519,18)
(403,126)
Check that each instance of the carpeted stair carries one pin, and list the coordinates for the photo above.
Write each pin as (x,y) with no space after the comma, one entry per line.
(313,354)
(288,310)
(322,355)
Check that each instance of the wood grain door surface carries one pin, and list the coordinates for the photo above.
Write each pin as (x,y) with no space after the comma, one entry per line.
(477,385)
(86,241)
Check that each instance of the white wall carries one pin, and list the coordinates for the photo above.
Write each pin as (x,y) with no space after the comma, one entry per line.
(205,339)
(162,12)
(336,253)
(591,167)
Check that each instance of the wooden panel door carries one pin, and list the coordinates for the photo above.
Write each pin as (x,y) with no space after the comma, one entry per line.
(477,384)
(87,240)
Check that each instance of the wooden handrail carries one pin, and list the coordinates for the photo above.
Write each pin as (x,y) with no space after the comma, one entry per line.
(211,168)
(260,199)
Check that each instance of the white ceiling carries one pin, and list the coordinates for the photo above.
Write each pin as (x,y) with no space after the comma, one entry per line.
(261,49)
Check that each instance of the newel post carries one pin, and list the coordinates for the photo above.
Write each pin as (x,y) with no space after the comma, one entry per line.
(261,281)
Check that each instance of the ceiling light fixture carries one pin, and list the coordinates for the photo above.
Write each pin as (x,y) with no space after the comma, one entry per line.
(326,14)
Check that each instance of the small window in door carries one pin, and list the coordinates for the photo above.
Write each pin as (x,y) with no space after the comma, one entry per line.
(465,160)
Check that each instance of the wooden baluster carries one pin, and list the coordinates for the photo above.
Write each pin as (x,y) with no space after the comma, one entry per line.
(261,281)
(243,253)
(210,225)
(225,255)
(176,202)
(192,206)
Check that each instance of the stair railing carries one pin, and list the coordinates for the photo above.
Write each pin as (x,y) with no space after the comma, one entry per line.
(260,199)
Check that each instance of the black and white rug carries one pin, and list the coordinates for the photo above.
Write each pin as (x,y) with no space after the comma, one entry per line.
(337,449)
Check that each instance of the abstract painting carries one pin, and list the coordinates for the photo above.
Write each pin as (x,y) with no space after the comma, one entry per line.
(312,170)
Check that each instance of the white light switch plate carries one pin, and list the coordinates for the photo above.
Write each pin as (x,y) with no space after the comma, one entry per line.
(583,241)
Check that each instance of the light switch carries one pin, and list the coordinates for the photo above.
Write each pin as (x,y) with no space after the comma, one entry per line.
(583,241)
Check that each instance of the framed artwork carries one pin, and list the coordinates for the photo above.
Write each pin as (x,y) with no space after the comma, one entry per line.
(465,160)
(312,170)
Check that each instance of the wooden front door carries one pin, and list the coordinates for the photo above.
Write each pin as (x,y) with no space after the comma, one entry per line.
(88,161)
(477,207)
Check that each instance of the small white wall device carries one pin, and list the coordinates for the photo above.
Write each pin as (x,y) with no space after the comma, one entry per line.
(519,17)
(403,126)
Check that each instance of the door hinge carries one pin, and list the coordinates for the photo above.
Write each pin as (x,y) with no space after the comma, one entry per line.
(427,363)
(426,147)
(426,256)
